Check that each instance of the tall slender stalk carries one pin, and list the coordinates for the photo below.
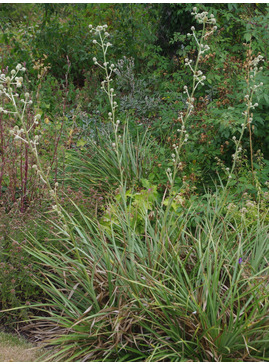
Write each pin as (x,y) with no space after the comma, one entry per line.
(25,134)
(2,152)
(247,120)
(198,78)
(102,34)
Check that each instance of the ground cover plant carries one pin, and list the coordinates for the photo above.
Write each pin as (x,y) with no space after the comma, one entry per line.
(137,211)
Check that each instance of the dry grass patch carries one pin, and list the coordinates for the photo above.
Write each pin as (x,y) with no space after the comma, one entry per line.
(16,349)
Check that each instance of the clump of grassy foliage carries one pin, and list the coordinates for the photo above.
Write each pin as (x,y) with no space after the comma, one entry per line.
(174,292)
(160,275)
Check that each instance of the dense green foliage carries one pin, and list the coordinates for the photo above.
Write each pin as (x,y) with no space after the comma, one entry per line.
(134,216)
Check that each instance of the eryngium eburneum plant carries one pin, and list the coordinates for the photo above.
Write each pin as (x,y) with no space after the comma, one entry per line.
(10,86)
(247,119)
(102,41)
(169,294)
(208,23)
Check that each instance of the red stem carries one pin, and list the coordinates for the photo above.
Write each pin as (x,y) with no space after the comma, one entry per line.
(2,155)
